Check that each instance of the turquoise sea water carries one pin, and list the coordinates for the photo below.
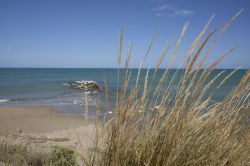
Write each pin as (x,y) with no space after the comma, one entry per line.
(43,86)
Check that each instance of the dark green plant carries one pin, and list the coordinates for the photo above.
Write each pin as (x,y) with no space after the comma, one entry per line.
(62,156)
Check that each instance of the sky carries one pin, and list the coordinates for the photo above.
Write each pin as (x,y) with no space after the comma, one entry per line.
(84,33)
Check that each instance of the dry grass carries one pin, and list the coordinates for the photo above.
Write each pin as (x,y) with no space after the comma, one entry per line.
(187,128)
(22,154)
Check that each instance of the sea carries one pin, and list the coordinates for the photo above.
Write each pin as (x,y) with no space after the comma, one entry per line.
(49,86)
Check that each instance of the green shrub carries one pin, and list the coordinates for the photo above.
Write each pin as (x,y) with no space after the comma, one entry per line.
(62,156)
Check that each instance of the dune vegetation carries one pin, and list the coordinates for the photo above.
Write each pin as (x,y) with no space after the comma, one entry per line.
(182,128)
(23,154)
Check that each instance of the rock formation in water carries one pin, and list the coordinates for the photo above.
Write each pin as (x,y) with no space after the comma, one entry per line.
(84,85)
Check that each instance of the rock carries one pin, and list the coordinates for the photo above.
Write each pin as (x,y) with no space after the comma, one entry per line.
(85,85)
(91,86)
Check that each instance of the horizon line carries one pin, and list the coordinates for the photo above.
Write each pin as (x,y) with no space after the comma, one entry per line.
(106,68)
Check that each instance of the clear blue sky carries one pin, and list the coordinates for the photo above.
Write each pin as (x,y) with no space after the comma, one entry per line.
(83,33)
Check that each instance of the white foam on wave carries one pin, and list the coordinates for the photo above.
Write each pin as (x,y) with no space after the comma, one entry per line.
(4,100)
(87,92)
(85,81)
(66,84)
(75,101)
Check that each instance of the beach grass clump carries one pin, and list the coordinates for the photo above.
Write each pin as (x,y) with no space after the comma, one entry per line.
(159,126)
(20,154)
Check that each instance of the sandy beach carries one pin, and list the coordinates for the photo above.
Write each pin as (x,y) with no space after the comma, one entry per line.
(42,127)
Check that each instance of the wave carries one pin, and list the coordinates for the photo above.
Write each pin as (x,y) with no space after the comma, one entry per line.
(4,100)
(66,84)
